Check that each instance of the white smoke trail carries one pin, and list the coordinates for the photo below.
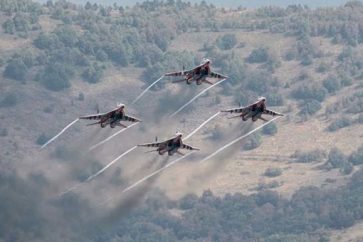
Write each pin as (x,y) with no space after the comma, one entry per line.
(112,136)
(55,137)
(110,164)
(147,89)
(201,93)
(201,126)
(236,140)
(156,172)
(99,172)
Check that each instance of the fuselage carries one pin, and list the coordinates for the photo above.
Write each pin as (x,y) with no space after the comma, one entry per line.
(256,111)
(171,146)
(201,72)
(114,118)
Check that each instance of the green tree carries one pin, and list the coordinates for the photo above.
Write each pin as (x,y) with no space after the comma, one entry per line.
(16,69)
(227,42)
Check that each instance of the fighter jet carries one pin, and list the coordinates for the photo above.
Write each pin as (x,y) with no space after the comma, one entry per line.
(111,118)
(171,146)
(199,74)
(253,111)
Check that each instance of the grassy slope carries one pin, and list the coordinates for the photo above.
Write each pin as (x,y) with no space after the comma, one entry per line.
(239,172)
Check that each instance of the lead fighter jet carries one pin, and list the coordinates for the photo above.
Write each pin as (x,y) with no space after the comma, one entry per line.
(199,74)
(253,111)
(112,118)
(171,146)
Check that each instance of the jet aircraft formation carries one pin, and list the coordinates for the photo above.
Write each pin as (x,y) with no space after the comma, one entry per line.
(199,74)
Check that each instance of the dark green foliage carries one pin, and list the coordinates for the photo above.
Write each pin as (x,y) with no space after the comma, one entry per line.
(81,96)
(346,168)
(253,142)
(227,41)
(259,55)
(323,67)
(93,74)
(273,172)
(56,76)
(16,69)
(3,132)
(188,201)
(305,92)
(42,139)
(339,124)
(260,81)
(21,210)
(309,156)
(356,158)
(9,100)
(270,129)
(275,99)
(47,41)
(332,84)
(336,158)
(9,26)
(309,107)
(67,35)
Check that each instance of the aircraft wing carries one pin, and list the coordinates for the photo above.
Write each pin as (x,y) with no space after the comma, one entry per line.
(237,110)
(272,113)
(153,144)
(188,147)
(216,75)
(179,73)
(96,116)
(130,119)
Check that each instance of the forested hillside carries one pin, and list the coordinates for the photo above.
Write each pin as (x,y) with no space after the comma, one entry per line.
(299,179)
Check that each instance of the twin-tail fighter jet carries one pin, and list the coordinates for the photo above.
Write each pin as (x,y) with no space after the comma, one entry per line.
(171,146)
(199,74)
(112,118)
(253,111)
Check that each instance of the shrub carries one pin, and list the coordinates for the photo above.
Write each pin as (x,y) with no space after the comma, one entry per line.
(93,74)
(48,109)
(273,172)
(309,156)
(322,68)
(253,142)
(16,69)
(332,84)
(270,129)
(356,158)
(9,100)
(275,99)
(309,107)
(56,76)
(42,139)
(305,92)
(81,96)
(188,201)
(227,41)
(259,55)
(339,124)
(336,158)
(346,168)
(3,132)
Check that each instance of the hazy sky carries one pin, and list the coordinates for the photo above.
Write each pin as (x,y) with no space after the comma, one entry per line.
(232,3)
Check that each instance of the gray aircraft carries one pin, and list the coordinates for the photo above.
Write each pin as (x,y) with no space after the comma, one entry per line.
(253,111)
(112,118)
(171,146)
(199,74)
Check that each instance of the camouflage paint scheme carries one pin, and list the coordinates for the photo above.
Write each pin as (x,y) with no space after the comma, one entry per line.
(171,146)
(112,118)
(253,111)
(199,74)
